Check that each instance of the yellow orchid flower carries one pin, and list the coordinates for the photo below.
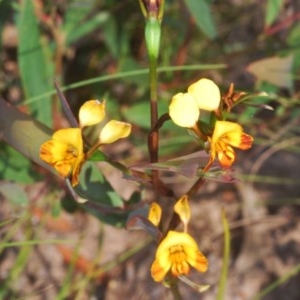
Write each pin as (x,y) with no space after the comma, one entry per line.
(154,214)
(176,253)
(91,112)
(225,136)
(206,93)
(64,152)
(185,108)
(113,131)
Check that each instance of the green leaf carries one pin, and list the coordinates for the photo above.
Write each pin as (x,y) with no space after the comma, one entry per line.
(35,75)
(98,156)
(87,26)
(111,38)
(139,113)
(14,192)
(76,22)
(23,133)
(272,11)
(201,12)
(76,12)
(14,166)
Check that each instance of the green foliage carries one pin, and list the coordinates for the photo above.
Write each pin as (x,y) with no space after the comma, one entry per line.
(201,12)
(33,55)
(272,11)
(14,166)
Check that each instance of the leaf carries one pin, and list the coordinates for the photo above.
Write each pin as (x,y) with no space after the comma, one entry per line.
(76,21)
(187,165)
(111,38)
(35,76)
(201,12)
(14,166)
(272,11)
(276,70)
(23,133)
(139,113)
(14,192)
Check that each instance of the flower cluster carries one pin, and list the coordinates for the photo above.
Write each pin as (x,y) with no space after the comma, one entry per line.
(65,151)
(178,250)
(185,111)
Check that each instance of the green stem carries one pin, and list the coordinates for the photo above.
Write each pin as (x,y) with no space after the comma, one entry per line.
(226,257)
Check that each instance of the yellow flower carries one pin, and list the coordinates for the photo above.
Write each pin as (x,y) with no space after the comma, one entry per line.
(176,253)
(206,93)
(154,214)
(185,108)
(91,112)
(114,130)
(225,136)
(64,152)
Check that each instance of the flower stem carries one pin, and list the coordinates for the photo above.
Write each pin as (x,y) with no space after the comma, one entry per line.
(153,136)
(152,37)
(175,291)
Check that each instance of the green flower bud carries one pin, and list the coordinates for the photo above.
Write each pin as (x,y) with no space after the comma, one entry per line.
(152,36)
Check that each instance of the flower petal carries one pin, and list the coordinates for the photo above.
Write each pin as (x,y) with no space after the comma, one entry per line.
(183,110)
(226,156)
(206,93)
(91,112)
(64,152)
(175,238)
(52,151)
(69,136)
(161,266)
(182,208)
(154,214)
(196,259)
(232,134)
(113,131)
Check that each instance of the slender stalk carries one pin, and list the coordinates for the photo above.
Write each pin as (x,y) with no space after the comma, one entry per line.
(153,136)
(175,292)
(196,186)
(226,258)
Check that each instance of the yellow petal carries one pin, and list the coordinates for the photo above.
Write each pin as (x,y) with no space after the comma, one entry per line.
(226,157)
(180,267)
(91,112)
(232,134)
(53,151)
(196,259)
(161,266)
(64,152)
(206,93)
(113,131)
(182,208)
(175,238)
(224,127)
(154,214)
(183,110)
(69,136)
